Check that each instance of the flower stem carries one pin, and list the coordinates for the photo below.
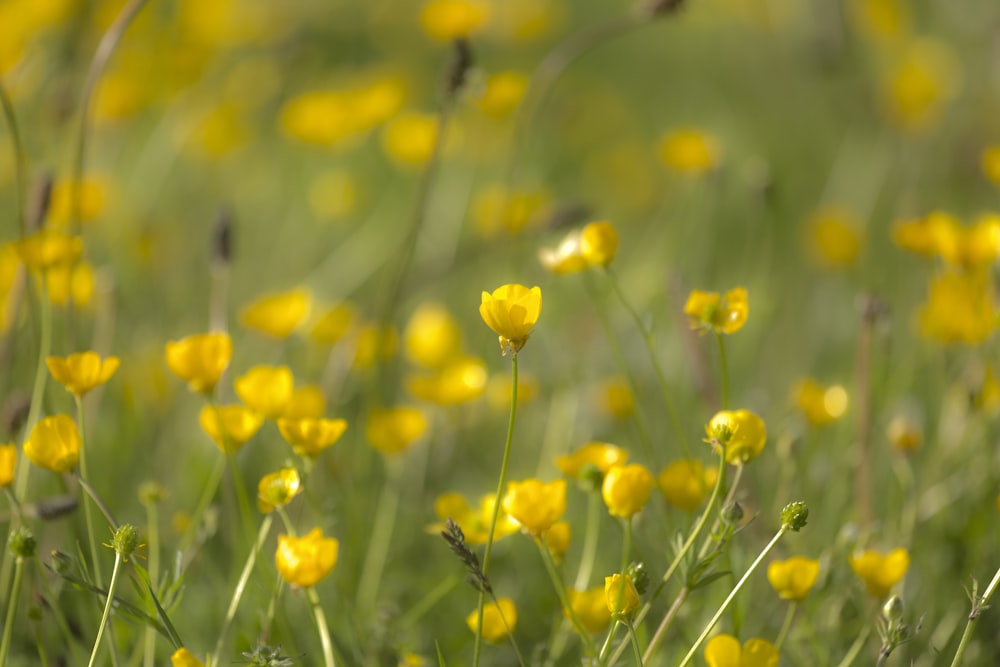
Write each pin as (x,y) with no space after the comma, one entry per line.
(8,626)
(856,647)
(20,166)
(557,582)
(786,626)
(107,608)
(601,658)
(723,369)
(208,493)
(978,605)
(635,643)
(153,551)
(590,538)
(496,505)
(234,603)
(321,624)
(41,374)
(378,546)
(88,512)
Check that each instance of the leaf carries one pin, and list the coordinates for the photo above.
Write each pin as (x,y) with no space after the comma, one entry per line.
(171,630)
(441,662)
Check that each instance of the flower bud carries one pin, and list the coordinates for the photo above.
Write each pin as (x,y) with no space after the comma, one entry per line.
(892,610)
(794,516)
(621,595)
(125,541)
(21,543)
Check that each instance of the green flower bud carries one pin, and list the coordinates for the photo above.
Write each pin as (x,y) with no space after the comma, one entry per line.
(732,514)
(21,543)
(639,576)
(62,563)
(892,610)
(125,541)
(794,515)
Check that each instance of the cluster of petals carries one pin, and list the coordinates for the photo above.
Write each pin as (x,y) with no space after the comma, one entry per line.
(725,651)
(511,311)
(741,432)
(534,504)
(81,372)
(721,313)
(305,561)
(499,620)
(880,572)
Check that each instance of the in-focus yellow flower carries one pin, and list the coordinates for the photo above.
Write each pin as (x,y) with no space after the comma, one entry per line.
(54,444)
(960,308)
(394,430)
(309,436)
(409,138)
(834,237)
(511,311)
(534,504)
(626,489)
(432,336)
(820,405)
(240,422)
(47,248)
(990,163)
(277,315)
(266,389)
(904,434)
(601,456)
(599,243)
(184,658)
(445,20)
(305,561)
(792,579)
(461,380)
(307,402)
(686,483)
(474,521)
(277,489)
(499,620)
(81,372)
(591,607)
(722,313)
(689,151)
(880,572)
(8,462)
(200,359)
(741,432)
(334,324)
(620,595)
(557,539)
(502,94)
(725,651)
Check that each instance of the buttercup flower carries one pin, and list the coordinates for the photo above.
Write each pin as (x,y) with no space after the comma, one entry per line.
(880,573)
(599,243)
(511,311)
(686,483)
(277,315)
(409,138)
(80,373)
(689,151)
(616,398)
(277,489)
(70,281)
(960,308)
(200,360)
(305,561)
(461,380)
(741,432)
(564,258)
(557,539)
(309,437)
(591,607)
(48,248)
(54,444)
(499,620)
(240,423)
(502,93)
(620,595)
(393,430)
(601,456)
(725,651)
(266,389)
(834,237)
(792,579)
(8,463)
(445,20)
(334,324)
(474,521)
(820,405)
(710,311)
(626,489)
(534,504)
(307,402)
(432,336)
(184,658)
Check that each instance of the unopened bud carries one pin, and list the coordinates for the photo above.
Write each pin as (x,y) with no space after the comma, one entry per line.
(794,515)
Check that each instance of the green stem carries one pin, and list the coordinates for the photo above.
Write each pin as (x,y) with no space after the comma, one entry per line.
(426,603)
(786,626)
(557,583)
(501,483)
(107,608)
(88,512)
(723,369)
(510,633)
(602,657)
(381,539)
(321,624)
(208,493)
(626,545)
(667,620)
(85,485)
(41,374)
(20,165)
(240,489)
(8,626)
(852,653)
(978,606)
(591,534)
(635,643)
(234,603)
(153,551)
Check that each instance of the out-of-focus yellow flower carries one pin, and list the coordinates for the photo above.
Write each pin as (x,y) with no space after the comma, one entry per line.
(834,237)
(372,343)
(990,163)
(446,20)
(882,20)
(277,315)
(591,607)
(616,398)
(200,359)
(48,248)
(334,324)
(307,402)
(184,658)
(620,595)
(474,521)
(601,456)
(626,489)
(940,234)
(238,424)
(216,132)
(499,620)
(599,243)
(266,389)
(686,483)
(309,437)
(498,390)
(880,572)
(496,210)
(960,308)
(557,539)
(925,76)
(521,21)
(81,372)
(986,396)
(820,405)
(320,117)
(463,379)
(277,489)
(511,311)
(54,444)
(740,432)
(534,504)
(70,281)
(409,138)
(565,258)
(8,462)
(722,313)
(725,651)
(432,336)
(334,195)
(503,92)
(792,579)
(10,276)
(305,561)
(904,434)
(394,430)
(411,660)
(93,194)
(689,151)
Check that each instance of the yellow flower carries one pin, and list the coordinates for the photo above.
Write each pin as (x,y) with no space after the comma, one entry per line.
(502,94)
(511,311)
(474,522)
(409,138)
(496,210)
(499,620)
(92,193)
(277,315)
(925,76)
(834,237)
(990,163)
(960,308)
(308,436)
(565,258)
(65,282)
(461,380)
(48,248)
(686,483)
(534,504)
(307,402)
(432,336)
(880,573)
(725,651)
(277,489)
(591,607)
(904,435)
(626,489)
(557,539)
(820,405)
(620,595)
(883,20)
(741,432)
(792,579)
(710,311)
(600,455)
(200,359)
(305,561)
(334,324)
(689,151)
(940,234)
(393,430)
(371,342)
(446,20)
(8,463)
(54,444)
(184,658)
(616,398)
(80,373)
(240,422)
(599,243)
(266,389)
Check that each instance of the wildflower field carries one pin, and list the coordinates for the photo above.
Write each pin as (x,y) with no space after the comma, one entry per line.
(499,332)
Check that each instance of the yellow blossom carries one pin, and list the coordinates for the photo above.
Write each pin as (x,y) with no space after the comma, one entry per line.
(710,311)
(70,281)
(792,579)
(499,620)
(277,315)
(686,483)
(591,607)
(305,561)
(8,463)
(918,85)
(446,20)
(620,595)
(307,402)
(820,405)
(463,379)
(200,359)
(432,336)
(626,489)
(990,163)
(725,651)
(54,444)
(883,20)
(277,489)
(534,504)
(960,308)
(689,151)
(598,455)
(184,658)
(240,424)
(834,237)
(48,248)
(474,521)
(266,389)
(80,373)
(333,325)
(409,138)
(740,432)
(394,430)
(496,210)
(599,243)
(372,343)
(92,193)
(904,435)
(940,234)
(557,538)
(566,257)
(880,572)
(616,398)
(511,311)
(309,436)
(502,94)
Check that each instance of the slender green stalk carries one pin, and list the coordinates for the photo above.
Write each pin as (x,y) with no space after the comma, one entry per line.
(786,626)
(381,539)
(635,643)
(667,620)
(107,608)
(590,538)
(8,626)
(234,603)
(859,643)
(416,611)
(626,546)
(20,164)
(208,493)
(85,485)
(41,375)
(246,514)
(321,625)
(557,583)
(88,512)
(501,483)
(510,634)
(602,656)
(723,370)
(153,552)
(978,605)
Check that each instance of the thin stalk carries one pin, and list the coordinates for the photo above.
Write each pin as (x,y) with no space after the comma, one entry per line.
(786,626)
(321,624)
(501,483)
(602,657)
(557,583)
(665,623)
(153,551)
(626,546)
(863,471)
(590,537)
(510,633)
(234,472)
(426,603)
(635,643)
(41,374)
(20,164)
(978,605)
(234,602)
(88,512)
(8,625)
(208,493)
(723,369)
(49,598)
(852,653)
(107,608)
(85,485)
(381,539)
